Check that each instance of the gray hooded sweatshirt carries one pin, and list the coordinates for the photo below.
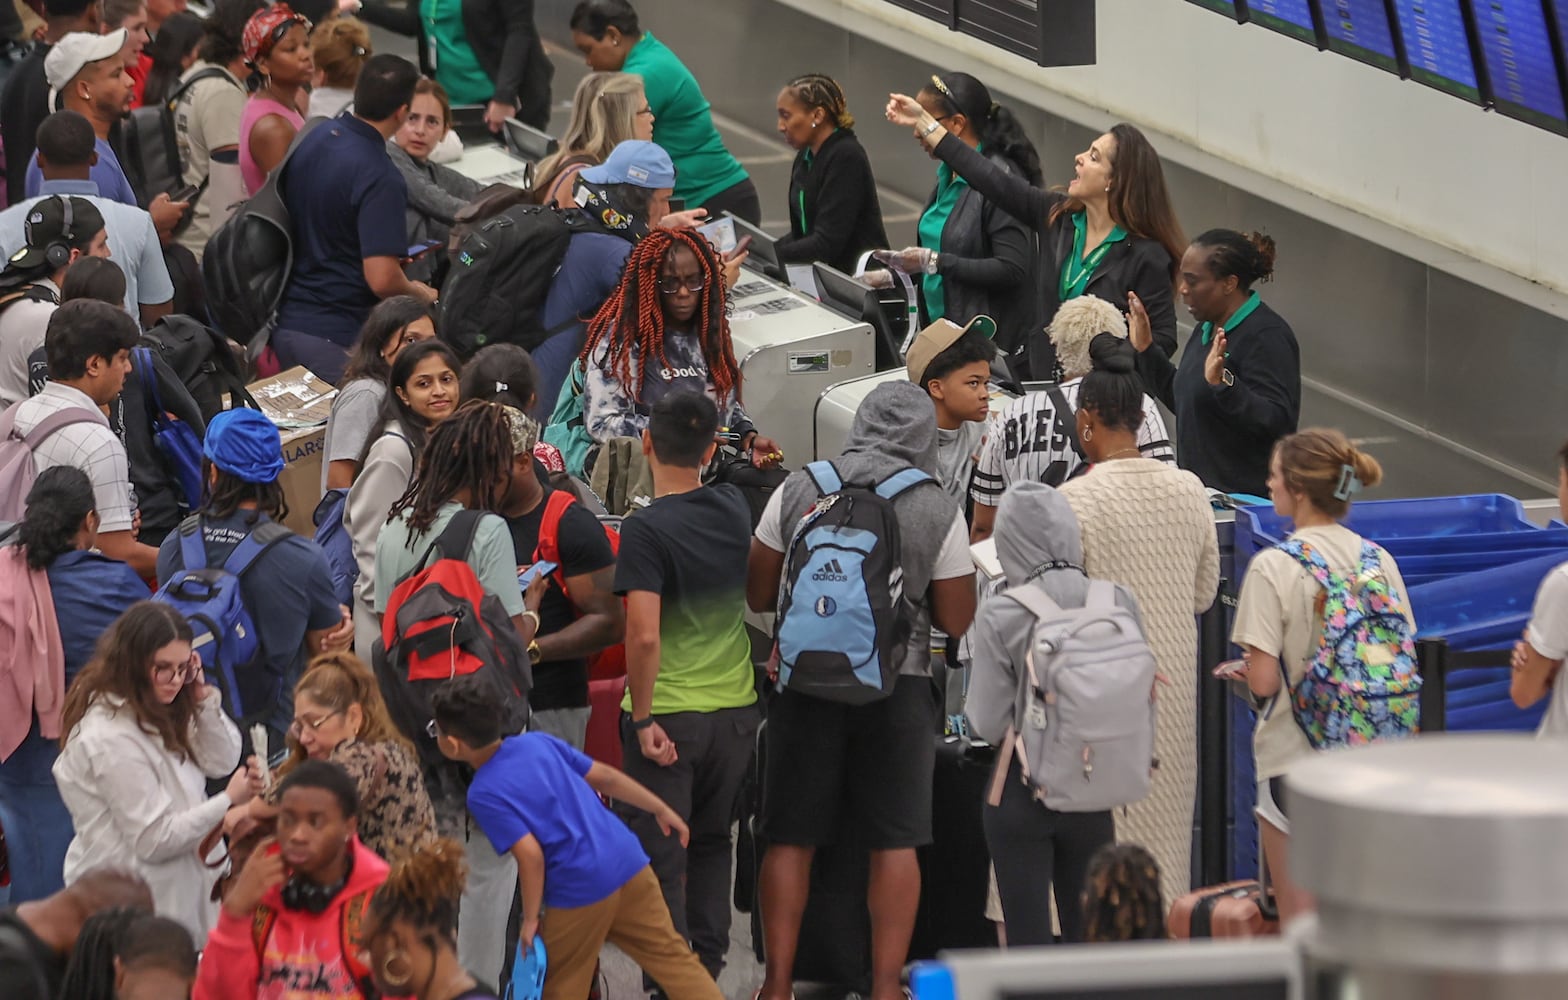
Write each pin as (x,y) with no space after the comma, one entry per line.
(894,429)
(1038,544)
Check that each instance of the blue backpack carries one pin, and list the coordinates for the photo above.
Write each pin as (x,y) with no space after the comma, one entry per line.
(210,600)
(843,623)
(335,542)
(180,445)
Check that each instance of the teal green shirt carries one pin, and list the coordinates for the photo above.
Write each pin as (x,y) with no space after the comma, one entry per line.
(457,68)
(949,188)
(683,123)
(1078,268)
(1206,330)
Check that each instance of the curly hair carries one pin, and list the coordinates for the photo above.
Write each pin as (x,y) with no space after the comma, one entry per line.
(335,681)
(1077,323)
(422,890)
(1122,896)
(629,327)
(122,666)
(471,451)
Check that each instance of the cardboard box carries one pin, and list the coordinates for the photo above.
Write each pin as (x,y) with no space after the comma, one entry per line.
(299,404)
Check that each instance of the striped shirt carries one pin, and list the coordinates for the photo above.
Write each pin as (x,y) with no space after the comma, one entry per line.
(1029,440)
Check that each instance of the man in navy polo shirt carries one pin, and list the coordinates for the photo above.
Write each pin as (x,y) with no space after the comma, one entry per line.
(348,203)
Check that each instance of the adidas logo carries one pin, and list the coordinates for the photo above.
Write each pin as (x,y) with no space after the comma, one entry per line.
(832,572)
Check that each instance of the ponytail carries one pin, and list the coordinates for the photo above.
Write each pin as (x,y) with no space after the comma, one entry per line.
(999,129)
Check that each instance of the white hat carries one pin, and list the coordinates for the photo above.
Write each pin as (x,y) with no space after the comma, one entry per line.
(76,50)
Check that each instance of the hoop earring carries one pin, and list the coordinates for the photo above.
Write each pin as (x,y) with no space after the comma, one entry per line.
(397,979)
(1088,434)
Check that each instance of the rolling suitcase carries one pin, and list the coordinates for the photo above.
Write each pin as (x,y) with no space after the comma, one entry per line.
(603,742)
(1240,909)
(954,866)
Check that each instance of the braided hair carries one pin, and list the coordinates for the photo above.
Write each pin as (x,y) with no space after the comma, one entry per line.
(630,324)
(422,890)
(817,90)
(1122,896)
(90,973)
(469,451)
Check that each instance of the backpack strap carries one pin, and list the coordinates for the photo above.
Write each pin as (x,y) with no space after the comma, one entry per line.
(205,74)
(825,477)
(193,549)
(147,375)
(351,920)
(1062,418)
(257,541)
(1310,559)
(261,924)
(457,539)
(1102,594)
(46,427)
(548,547)
(899,482)
(1034,600)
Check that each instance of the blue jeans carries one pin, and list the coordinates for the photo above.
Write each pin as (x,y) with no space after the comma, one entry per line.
(36,823)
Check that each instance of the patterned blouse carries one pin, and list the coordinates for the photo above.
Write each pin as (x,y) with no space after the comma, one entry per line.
(395,815)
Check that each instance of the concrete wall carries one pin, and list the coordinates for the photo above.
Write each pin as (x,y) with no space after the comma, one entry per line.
(1422,240)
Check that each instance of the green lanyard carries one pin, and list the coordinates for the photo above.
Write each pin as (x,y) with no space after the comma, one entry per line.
(1234,320)
(805,230)
(1077,269)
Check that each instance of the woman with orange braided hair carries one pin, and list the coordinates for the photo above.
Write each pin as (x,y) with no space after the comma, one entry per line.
(664,329)
(410,929)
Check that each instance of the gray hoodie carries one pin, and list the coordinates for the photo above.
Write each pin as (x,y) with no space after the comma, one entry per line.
(894,429)
(1038,543)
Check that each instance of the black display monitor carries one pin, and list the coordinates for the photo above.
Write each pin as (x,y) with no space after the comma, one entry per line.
(853,298)
(763,255)
(1288,17)
(1362,30)
(1437,40)
(1519,69)
(528,142)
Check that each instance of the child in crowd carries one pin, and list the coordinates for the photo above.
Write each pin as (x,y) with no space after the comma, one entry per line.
(538,799)
(952,364)
(1121,898)
(156,960)
(1538,657)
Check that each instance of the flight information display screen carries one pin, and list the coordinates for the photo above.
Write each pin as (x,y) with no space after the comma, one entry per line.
(1516,54)
(1437,45)
(1361,30)
(1290,17)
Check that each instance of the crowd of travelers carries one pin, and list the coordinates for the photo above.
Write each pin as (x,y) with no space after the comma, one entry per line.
(566,614)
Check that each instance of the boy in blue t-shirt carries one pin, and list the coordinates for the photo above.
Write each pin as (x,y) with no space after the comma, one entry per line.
(537,798)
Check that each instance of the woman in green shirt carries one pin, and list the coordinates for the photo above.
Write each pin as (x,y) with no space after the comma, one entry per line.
(608,35)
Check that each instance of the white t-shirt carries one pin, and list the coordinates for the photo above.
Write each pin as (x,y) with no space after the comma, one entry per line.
(1547,633)
(1277,614)
(952,561)
(22,327)
(1028,440)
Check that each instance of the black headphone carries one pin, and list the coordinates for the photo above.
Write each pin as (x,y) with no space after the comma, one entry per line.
(58,253)
(313,897)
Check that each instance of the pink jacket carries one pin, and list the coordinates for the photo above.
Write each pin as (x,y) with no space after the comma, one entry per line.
(32,660)
(282,954)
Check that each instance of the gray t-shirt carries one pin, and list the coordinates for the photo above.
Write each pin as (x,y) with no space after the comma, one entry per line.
(356,414)
(956,451)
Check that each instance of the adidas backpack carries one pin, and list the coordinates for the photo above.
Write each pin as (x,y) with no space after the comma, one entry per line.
(842,622)
(1362,684)
(440,624)
(1084,729)
(209,598)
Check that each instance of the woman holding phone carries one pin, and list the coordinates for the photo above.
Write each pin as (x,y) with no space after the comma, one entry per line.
(1112,231)
(143,733)
(435,193)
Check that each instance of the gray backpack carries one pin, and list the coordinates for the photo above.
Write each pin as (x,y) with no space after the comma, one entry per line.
(1084,734)
(18,471)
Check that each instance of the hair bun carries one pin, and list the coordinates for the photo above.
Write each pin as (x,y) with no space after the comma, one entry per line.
(1110,353)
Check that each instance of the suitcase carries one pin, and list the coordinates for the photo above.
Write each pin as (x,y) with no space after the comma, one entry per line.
(954,866)
(1232,910)
(603,743)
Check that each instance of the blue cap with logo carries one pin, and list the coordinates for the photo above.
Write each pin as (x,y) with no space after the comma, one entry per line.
(644,164)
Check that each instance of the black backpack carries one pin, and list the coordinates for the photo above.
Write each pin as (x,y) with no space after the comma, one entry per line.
(500,273)
(201,359)
(152,152)
(247,262)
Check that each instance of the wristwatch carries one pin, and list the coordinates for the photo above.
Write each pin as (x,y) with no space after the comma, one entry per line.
(638,725)
(931,262)
(535,654)
(925,133)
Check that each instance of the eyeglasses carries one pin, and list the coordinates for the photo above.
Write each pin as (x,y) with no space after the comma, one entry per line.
(297,728)
(674,286)
(167,673)
(645,110)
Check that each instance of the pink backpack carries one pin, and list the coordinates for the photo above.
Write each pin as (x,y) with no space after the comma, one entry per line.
(17,468)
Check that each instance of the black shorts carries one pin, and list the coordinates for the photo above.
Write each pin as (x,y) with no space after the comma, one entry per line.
(862,770)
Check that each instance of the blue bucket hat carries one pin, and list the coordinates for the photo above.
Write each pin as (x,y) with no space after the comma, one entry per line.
(244,443)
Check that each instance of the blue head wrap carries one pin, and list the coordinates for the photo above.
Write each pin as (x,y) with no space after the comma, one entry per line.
(244,443)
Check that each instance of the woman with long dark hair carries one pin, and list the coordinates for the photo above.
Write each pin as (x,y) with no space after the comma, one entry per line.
(173,51)
(1111,231)
(973,258)
(422,391)
(143,732)
(393,325)
(834,214)
(89,591)
(669,307)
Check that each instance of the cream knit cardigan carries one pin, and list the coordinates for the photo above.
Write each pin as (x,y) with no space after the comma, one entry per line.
(1148,526)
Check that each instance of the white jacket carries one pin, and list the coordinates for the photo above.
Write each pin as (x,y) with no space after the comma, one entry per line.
(137,806)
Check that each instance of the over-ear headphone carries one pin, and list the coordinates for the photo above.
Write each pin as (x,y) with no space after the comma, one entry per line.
(58,252)
(301,893)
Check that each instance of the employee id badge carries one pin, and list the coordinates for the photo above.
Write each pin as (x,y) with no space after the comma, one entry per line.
(721,233)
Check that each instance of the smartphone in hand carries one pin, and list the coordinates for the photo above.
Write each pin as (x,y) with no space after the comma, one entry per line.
(541,568)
